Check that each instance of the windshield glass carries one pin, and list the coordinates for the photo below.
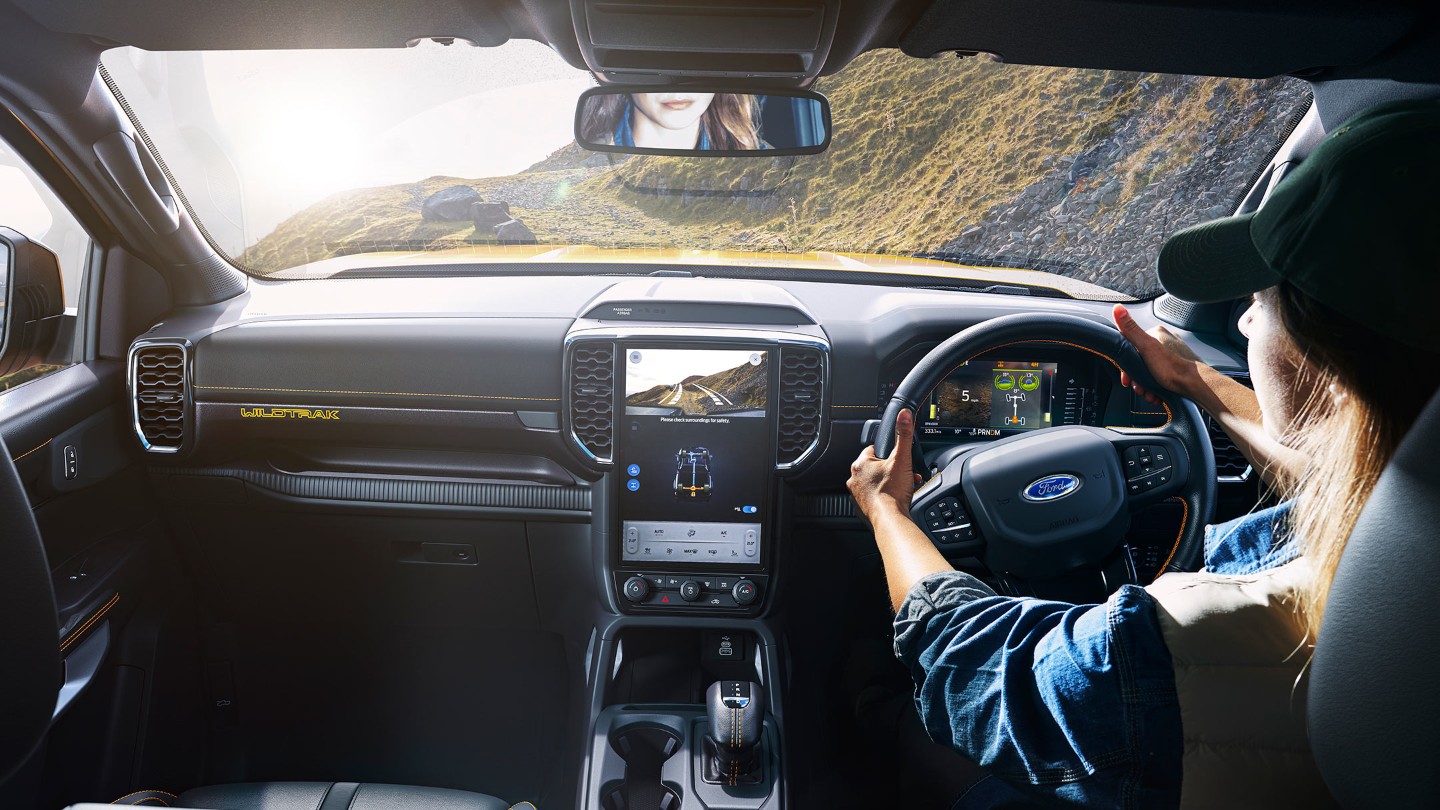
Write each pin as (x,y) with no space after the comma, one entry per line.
(307,163)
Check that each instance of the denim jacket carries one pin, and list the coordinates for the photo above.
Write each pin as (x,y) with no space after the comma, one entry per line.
(1070,704)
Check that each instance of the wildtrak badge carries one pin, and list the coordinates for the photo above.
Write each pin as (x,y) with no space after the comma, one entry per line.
(288,413)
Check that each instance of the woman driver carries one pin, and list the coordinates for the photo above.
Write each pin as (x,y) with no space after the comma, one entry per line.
(674,120)
(1190,691)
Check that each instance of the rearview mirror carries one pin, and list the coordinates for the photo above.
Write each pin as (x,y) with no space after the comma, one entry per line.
(677,120)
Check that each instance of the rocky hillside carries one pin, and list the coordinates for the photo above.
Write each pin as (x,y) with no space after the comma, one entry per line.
(1078,172)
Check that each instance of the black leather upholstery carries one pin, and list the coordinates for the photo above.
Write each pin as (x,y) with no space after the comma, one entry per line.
(30,668)
(1374,709)
(334,796)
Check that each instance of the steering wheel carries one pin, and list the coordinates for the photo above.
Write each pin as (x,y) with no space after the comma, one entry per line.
(1040,504)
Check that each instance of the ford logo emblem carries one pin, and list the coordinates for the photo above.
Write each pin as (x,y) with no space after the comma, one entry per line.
(1051,487)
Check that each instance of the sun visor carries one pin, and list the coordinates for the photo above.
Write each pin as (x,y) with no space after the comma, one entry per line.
(1212,37)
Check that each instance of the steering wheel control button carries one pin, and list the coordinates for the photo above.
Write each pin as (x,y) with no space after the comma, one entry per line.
(745,592)
(636,589)
(690,590)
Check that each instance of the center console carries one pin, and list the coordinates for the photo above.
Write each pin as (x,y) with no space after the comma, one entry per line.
(689,431)
(699,428)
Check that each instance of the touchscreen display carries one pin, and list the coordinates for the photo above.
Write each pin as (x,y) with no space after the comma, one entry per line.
(694,454)
(988,397)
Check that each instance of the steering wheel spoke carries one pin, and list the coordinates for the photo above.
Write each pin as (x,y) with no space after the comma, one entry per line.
(1154,464)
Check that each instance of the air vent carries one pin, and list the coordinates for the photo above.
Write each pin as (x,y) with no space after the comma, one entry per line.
(1230,464)
(592,398)
(160,395)
(801,403)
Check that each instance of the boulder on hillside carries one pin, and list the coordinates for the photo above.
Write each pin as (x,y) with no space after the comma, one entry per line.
(449,204)
(515,232)
(488,215)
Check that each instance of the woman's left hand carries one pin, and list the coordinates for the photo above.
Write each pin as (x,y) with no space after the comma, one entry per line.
(883,486)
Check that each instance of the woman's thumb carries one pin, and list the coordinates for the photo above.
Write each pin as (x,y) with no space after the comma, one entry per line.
(1127,325)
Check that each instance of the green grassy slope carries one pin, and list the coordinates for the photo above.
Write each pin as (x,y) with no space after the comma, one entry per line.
(923,152)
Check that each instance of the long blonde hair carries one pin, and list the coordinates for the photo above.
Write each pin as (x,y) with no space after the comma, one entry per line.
(1365,391)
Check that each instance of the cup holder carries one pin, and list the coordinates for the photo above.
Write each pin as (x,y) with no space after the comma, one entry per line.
(644,750)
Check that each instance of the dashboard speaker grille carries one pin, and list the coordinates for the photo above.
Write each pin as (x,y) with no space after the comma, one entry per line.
(801,402)
(160,390)
(592,398)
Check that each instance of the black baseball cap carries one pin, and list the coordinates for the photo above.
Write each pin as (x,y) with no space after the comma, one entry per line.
(1356,227)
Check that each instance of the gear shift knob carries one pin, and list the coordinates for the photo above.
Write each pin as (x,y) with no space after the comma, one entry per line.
(736,712)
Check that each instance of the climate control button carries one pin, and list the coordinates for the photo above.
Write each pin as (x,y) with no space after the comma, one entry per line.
(745,592)
(690,590)
(636,589)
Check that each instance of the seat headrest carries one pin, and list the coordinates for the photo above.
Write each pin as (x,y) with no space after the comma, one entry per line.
(1373,704)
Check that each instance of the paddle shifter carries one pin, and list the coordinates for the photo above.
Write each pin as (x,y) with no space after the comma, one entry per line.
(732,754)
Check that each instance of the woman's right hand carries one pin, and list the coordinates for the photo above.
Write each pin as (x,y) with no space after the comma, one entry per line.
(1169,360)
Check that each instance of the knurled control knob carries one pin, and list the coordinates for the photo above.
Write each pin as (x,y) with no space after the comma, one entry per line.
(745,592)
(636,589)
(690,590)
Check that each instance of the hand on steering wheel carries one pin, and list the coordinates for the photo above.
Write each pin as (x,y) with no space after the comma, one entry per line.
(886,483)
(1042,503)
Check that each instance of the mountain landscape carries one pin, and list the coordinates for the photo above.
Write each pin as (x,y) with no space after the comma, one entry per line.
(1082,173)
(736,389)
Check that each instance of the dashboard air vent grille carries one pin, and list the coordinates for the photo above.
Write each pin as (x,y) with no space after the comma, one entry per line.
(1230,463)
(801,402)
(592,398)
(160,391)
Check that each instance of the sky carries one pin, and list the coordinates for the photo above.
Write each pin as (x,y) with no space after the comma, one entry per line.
(253,137)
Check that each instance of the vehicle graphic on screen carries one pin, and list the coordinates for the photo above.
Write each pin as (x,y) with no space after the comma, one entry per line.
(692,474)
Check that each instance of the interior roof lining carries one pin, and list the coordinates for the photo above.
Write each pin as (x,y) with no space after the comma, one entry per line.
(1376,38)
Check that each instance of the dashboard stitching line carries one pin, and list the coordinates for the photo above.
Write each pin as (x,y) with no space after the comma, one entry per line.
(1184,519)
(138,792)
(373,393)
(28,452)
(80,631)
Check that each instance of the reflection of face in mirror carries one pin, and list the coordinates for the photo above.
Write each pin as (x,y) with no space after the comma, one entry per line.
(668,120)
(674,120)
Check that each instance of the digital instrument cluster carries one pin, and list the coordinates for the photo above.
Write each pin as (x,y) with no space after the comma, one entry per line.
(993,397)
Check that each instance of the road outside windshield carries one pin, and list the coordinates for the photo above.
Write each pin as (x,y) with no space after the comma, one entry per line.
(305,163)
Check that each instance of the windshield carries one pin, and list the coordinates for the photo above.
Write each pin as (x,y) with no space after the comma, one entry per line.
(303,163)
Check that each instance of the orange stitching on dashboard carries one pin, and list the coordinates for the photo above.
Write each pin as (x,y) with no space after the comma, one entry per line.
(138,792)
(28,452)
(375,393)
(1184,519)
(80,631)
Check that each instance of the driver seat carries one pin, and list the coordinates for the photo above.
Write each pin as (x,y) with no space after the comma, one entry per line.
(1373,705)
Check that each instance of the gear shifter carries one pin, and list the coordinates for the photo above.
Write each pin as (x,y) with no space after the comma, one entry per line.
(732,747)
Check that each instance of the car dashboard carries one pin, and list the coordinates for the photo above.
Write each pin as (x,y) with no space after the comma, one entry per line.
(688,422)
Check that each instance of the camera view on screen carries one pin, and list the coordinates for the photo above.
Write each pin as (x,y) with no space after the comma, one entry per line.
(694,449)
(695,383)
